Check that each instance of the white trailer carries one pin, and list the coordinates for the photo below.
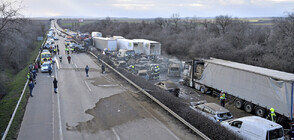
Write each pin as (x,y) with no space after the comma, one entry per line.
(96,34)
(127,44)
(103,43)
(150,47)
(254,88)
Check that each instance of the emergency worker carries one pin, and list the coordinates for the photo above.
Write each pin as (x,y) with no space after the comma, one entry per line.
(222,99)
(272,115)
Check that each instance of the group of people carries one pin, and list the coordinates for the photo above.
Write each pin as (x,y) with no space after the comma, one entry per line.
(32,74)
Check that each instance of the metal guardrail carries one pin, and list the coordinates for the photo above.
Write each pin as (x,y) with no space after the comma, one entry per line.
(157,101)
(19,100)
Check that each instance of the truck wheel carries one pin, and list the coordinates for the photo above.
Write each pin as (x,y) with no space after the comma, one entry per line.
(248,107)
(203,89)
(259,111)
(238,103)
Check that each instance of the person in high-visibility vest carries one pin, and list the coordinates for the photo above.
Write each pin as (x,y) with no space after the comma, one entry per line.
(54,50)
(272,115)
(222,99)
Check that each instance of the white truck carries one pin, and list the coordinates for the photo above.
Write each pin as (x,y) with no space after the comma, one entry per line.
(128,44)
(150,47)
(96,34)
(105,44)
(253,88)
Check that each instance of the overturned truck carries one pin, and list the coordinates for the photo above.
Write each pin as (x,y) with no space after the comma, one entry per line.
(253,88)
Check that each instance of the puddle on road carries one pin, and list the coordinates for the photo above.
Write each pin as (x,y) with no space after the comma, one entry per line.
(109,112)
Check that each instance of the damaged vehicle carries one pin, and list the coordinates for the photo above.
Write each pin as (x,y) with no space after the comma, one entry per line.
(213,110)
(169,86)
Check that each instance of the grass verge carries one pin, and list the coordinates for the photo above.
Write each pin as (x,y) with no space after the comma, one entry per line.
(8,103)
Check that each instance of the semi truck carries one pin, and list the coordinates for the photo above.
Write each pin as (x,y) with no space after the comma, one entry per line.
(128,44)
(254,89)
(150,47)
(105,44)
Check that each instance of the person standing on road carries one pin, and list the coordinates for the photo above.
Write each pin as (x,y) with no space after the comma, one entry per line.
(57,51)
(222,99)
(103,68)
(49,69)
(31,85)
(55,85)
(272,115)
(87,70)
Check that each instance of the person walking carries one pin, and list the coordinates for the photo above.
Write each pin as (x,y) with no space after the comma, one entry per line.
(57,51)
(55,85)
(68,58)
(272,115)
(103,68)
(49,69)
(87,70)
(31,85)
(222,99)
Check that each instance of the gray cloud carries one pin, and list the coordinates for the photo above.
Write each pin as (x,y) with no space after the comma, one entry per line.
(157,8)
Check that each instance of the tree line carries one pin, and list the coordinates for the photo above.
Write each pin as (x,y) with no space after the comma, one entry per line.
(224,37)
(18,36)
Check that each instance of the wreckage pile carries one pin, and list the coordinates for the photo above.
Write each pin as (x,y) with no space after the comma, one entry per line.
(207,126)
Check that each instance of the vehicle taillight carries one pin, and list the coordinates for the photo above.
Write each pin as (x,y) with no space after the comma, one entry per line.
(50,58)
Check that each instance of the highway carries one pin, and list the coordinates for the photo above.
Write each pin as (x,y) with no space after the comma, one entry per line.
(101,106)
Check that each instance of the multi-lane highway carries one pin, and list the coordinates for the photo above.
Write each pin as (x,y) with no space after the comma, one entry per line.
(100,106)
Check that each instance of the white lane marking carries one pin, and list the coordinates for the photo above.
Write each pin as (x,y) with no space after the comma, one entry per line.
(76,65)
(88,86)
(116,135)
(53,116)
(57,63)
(59,114)
(108,85)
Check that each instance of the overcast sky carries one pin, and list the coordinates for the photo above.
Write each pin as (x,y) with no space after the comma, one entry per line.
(157,8)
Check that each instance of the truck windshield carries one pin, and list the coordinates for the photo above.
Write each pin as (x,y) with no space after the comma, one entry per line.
(277,133)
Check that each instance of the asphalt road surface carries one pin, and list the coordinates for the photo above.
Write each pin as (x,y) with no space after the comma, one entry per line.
(94,107)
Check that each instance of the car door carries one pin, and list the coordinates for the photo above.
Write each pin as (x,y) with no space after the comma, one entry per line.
(236,126)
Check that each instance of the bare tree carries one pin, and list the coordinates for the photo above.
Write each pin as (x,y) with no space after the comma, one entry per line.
(159,21)
(175,19)
(223,22)
(10,20)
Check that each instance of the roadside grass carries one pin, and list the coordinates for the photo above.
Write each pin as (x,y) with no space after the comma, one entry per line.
(8,103)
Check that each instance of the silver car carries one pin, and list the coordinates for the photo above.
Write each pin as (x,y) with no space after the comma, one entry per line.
(214,110)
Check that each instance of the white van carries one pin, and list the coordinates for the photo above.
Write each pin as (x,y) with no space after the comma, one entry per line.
(255,128)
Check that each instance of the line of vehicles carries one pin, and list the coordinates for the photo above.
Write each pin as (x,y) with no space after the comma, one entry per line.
(253,89)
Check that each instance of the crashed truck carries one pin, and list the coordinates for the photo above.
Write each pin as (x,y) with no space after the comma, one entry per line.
(105,44)
(252,88)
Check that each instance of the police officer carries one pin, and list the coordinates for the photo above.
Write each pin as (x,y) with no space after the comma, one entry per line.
(222,99)
(272,115)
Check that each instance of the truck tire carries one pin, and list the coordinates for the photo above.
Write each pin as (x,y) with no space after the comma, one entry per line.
(260,111)
(248,107)
(238,103)
(203,89)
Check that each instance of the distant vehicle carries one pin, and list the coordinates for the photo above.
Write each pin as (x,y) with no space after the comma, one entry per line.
(45,66)
(174,70)
(45,50)
(45,56)
(79,48)
(213,110)
(83,36)
(169,86)
(143,73)
(255,128)
(120,63)
(56,37)
(72,44)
